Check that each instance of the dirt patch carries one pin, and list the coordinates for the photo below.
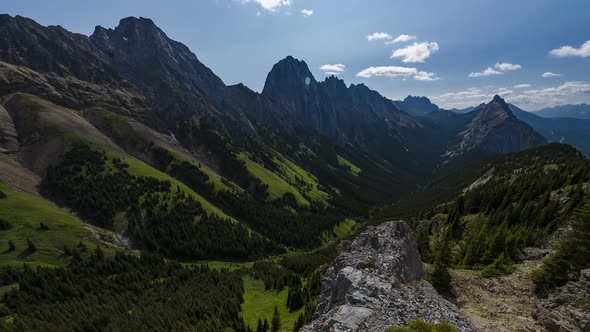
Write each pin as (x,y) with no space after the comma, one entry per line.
(498,304)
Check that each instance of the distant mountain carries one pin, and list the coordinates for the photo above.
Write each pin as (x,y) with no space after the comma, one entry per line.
(495,129)
(563,130)
(581,111)
(416,105)
(466,109)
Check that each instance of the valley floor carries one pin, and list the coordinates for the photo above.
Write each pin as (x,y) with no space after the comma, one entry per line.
(498,304)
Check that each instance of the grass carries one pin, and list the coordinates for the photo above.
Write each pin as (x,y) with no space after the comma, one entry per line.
(121,127)
(353,169)
(302,179)
(25,213)
(219,265)
(344,228)
(118,124)
(137,167)
(259,303)
(277,186)
(339,231)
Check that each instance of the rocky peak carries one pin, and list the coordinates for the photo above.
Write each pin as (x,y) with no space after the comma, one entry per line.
(289,77)
(416,105)
(375,284)
(53,49)
(176,84)
(495,129)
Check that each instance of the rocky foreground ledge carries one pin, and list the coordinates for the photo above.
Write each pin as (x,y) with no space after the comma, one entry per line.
(376,283)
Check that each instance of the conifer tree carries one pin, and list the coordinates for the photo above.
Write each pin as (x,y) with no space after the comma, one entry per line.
(276,321)
(439,276)
(31,246)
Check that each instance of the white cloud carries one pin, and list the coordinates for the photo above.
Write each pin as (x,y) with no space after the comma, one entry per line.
(506,66)
(568,92)
(271,5)
(379,36)
(531,99)
(307,12)
(499,69)
(504,92)
(425,76)
(548,74)
(401,39)
(486,72)
(522,86)
(397,71)
(417,52)
(334,69)
(567,51)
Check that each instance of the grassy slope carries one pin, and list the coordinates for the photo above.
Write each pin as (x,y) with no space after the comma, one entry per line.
(296,174)
(339,231)
(259,303)
(354,169)
(277,186)
(137,167)
(120,126)
(25,213)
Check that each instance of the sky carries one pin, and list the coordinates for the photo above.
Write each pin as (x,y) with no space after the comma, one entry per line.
(459,53)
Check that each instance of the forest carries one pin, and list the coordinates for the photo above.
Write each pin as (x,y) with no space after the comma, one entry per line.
(518,207)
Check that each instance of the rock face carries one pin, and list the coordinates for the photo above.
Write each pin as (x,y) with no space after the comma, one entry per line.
(375,284)
(175,83)
(567,308)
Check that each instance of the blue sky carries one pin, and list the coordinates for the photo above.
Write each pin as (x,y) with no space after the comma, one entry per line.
(505,46)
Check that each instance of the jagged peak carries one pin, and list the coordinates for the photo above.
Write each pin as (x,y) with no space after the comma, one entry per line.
(498,99)
(288,73)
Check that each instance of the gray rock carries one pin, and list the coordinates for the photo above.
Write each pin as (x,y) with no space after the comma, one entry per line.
(375,284)
(566,309)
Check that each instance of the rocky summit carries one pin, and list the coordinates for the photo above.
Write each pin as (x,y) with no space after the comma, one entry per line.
(376,283)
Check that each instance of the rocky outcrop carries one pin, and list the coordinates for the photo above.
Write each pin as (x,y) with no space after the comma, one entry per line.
(568,307)
(375,283)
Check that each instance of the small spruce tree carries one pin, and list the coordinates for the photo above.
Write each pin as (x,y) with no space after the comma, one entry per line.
(276,321)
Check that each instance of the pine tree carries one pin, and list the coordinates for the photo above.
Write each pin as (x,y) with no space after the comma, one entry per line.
(572,254)
(259,326)
(423,242)
(31,246)
(439,276)
(11,246)
(265,327)
(276,321)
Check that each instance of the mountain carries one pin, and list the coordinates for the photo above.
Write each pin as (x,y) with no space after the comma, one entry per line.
(175,83)
(581,111)
(467,109)
(555,129)
(416,105)
(494,128)
(564,130)
(133,94)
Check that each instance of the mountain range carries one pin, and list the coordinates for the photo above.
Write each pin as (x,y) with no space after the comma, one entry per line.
(581,111)
(125,140)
